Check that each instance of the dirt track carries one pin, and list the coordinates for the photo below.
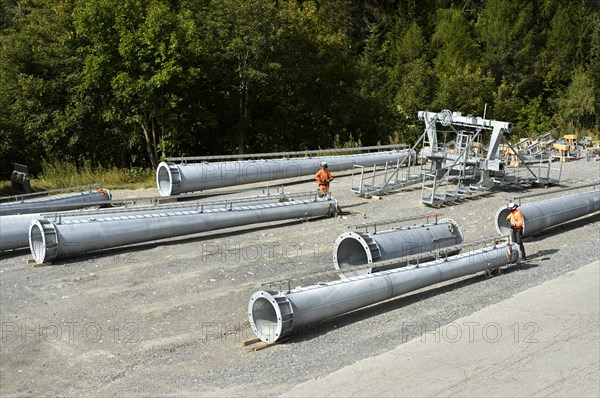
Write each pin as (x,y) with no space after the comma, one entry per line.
(167,318)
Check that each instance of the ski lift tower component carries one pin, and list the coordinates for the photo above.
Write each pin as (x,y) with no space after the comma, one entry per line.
(352,249)
(544,214)
(49,240)
(447,118)
(275,314)
(449,168)
(174,179)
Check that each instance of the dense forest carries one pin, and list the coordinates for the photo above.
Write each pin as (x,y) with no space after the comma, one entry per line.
(127,82)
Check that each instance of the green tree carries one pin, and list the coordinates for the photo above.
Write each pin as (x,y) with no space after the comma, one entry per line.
(240,36)
(38,70)
(506,31)
(416,93)
(594,63)
(411,80)
(139,61)
(507,102)
(533,118)
(564,49)
(466,89)
(578,104)
(453,41)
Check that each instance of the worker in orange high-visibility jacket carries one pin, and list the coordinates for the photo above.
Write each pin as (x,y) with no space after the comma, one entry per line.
(323,177)
(515,221)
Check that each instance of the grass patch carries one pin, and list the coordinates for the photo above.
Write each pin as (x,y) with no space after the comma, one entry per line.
(61,175)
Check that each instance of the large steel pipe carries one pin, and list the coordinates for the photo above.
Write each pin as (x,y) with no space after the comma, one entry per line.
(544,214)
(275,314)
(14,229)
(56,203)
(49,240)
(173,179)
(353,249)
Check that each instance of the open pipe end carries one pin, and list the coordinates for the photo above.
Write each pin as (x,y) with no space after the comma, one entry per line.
(352,250)
(42,245)
(164,179)
(501,226)
(270,315)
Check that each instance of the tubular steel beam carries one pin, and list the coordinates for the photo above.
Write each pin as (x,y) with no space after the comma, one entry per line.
(292,154)
(14,229)
(275,314)
(538,216)
(57,203)
(49,240)
(353,249)
(174,179)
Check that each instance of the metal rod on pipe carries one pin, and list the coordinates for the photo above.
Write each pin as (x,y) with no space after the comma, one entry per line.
(174,179)
(275,314)
(538,216)
(352,249)
(49,240)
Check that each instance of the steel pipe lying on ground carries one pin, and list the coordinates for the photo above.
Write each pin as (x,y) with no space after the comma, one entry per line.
(14,230)
(173,179)
(544,214)
(353,249)
(49,240)
(275,314)
(56,203)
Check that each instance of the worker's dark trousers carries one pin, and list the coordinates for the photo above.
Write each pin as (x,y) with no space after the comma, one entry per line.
(516,236)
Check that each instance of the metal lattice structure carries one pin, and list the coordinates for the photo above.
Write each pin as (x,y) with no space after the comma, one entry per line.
(473,159)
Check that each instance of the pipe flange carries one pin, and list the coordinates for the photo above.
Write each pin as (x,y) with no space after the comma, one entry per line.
(43,240)
(168,179)
(353,249)
(271,315)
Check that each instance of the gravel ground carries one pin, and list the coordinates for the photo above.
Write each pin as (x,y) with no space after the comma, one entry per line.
(167,318)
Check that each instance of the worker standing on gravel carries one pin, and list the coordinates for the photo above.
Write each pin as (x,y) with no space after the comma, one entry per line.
(515,220)
(323,177)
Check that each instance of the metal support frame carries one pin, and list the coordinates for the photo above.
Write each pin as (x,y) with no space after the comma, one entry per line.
(390,177)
